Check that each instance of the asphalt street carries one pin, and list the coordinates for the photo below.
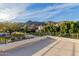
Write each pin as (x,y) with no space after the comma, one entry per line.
(28,49)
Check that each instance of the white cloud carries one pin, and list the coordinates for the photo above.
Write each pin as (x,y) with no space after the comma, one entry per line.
(11,11)
(17,11)
(45,13)
(58,7)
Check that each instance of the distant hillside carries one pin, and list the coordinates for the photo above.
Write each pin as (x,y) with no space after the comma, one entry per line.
(35,23)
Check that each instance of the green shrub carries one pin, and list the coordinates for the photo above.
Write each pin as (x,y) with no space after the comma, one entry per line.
(17,34)
(3,38)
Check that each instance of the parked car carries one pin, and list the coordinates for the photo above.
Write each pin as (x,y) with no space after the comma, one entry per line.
(4,37)
(29,36)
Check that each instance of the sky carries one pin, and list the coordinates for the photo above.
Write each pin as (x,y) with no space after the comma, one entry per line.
(22,12)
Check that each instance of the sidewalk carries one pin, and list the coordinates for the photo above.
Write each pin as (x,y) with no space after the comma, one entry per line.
(62,47)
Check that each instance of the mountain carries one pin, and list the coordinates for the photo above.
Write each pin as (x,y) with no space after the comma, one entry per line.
(35,23)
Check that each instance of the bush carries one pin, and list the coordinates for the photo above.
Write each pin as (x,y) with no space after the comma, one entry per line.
(37,33)
(3,39)
(17,34)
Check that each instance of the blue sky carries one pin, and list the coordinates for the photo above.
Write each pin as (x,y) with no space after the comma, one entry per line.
(22,12)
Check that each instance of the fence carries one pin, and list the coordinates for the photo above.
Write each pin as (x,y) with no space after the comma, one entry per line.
(75,35)
(69,35)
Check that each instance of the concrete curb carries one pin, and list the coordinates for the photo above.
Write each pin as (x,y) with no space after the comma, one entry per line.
(67,39)
(46,49)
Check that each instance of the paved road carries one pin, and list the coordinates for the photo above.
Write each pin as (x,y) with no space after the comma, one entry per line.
(29,49)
